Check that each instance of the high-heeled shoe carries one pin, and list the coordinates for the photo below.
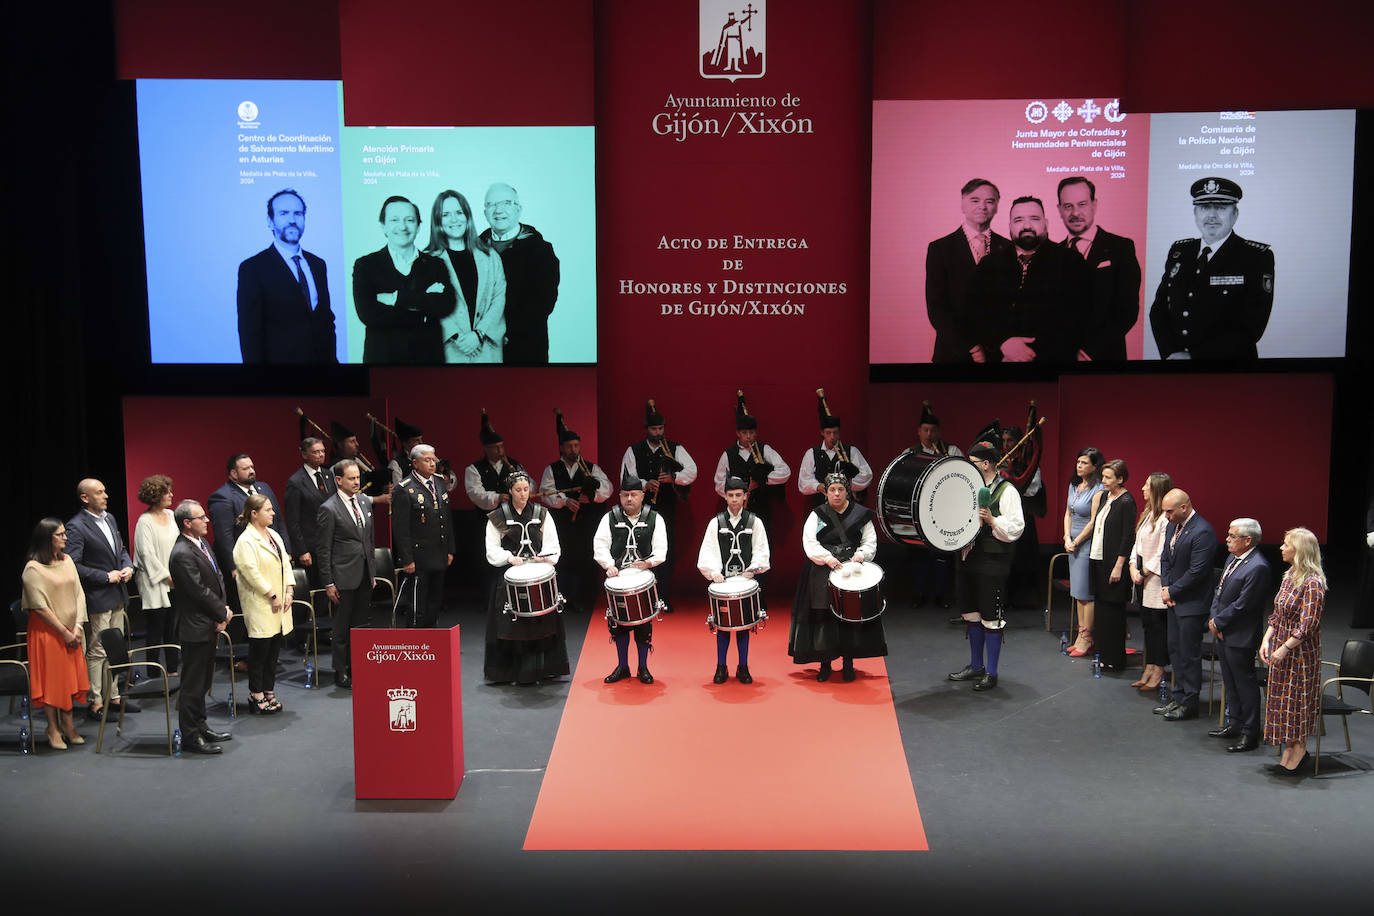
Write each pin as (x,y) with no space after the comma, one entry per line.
(1083,645)
(72,737)
(57,743)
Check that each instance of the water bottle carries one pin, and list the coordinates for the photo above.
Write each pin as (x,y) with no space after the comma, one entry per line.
(23,739)
(1064,643)
(1097,666)
(1163,690)
(309,673)
(176,743)
(24,707)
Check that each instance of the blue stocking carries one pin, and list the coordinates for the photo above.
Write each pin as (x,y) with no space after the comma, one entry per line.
(622,649)
(975,645)
(994,638)
(742,645)
(722,645)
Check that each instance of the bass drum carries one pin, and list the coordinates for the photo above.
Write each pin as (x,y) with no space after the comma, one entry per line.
(930,503)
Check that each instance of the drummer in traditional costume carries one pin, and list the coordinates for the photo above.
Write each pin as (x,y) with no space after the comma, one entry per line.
(839,532)
(735,544)
(981,576)
(522,649)
(631,535)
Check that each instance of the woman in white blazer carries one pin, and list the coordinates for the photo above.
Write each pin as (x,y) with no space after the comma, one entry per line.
(475,332)
(265,585)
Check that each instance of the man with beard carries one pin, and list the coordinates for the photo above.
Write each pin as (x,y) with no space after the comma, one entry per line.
(531,277)
(1114,270)
(283,294)
(950,262)
(668,472)
(1029,302)
(1217,291)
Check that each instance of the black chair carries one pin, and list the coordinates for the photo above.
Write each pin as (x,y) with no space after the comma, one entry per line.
(14,644)
(14,669)
(1211,653)
(1355,668)
(311,677)
(118,652)
(386,575)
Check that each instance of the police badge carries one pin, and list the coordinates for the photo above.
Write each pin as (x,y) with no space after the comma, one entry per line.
(1267,282)
(1173,269)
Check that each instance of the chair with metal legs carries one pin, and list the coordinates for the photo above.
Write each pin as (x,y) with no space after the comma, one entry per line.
(1356,668)
(117,653)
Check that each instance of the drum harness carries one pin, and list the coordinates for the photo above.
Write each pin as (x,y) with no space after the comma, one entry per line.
(631,547)
(734,566)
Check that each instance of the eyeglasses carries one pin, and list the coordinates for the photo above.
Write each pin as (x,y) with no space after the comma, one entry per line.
(1237,537)
(504,204)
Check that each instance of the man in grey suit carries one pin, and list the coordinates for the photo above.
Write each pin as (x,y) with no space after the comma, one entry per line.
(346,561)
(1186,568)
(102,563)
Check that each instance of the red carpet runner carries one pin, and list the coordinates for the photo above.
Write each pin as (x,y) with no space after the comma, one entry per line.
(784,763)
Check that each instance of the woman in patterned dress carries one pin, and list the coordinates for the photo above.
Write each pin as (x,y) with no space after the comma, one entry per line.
(1292,648)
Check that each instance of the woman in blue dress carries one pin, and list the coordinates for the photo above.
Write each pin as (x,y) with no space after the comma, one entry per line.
(1085,489)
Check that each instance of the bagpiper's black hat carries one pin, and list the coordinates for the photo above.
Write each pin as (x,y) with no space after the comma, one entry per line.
(742,418)
(986,448)
(488,436)
(828,420)
(630,482)
(1215,191)
(338,432)
(405,431)
(735,483)
(564,434)
(651,415)
(990,433)
(928,415)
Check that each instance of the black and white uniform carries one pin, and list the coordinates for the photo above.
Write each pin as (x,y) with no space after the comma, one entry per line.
(575,534)
(738,461)
(620,541)
(817,634)
(644,461)
(521,649)
(820,461)
(981,576)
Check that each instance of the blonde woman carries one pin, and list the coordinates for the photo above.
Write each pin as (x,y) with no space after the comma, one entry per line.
(1145,559)
(265,592)
(1292,648)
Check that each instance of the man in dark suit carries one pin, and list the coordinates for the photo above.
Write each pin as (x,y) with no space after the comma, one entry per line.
(1217,291)
(202,612)
(1240,608)
(1029,302)
(283,294)
(1186,575)
(102,563)
(346,562)
(949,267)
(422,537)
(1115,273)
(306,491)
(532,276)
(226,503)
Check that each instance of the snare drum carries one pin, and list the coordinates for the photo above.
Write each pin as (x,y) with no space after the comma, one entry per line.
(532,590)
(632,598)
(735,604)
(856,594)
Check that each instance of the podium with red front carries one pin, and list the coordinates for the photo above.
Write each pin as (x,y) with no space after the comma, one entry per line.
(407,713)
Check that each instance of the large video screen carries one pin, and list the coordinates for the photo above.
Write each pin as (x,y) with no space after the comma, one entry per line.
(360,244)
(1059,231)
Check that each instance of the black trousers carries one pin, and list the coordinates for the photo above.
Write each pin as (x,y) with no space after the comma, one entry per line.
(1185,650)
(262,662)
(161,627)
(1242,687)
(930,572)
(352,611)
(1156,636)
(197,672)
(422,597)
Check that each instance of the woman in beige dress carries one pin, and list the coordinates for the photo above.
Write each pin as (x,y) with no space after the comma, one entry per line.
(56,606)
(266,586)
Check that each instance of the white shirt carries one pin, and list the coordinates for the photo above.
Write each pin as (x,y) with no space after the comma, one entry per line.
(1087,237)
(500,556)
(1009,522)
(481,497)
(779,474)
(601,541)
(682,478)
(506,237)
(821,555)
(1203,243)
(931,453)
(1095,553)
(806,474)
(709,561)
(104,519)
(324,474)
(559,500)
(288,256)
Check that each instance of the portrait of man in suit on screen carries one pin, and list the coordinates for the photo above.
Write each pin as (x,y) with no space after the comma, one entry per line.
(1114,271)
(950,261)
(283,294)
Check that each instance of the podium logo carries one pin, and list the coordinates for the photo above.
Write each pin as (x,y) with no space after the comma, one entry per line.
(401,708)
(733,39)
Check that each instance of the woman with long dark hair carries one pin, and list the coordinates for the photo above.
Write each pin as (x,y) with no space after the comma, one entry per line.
(266,587)
(1112,540)
(475,331)
(56,606)
(1085,489)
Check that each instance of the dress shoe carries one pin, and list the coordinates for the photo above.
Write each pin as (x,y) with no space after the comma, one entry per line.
(847,674)
(722,675)
(1301,769)
(56,743)
(94,713)
(126,705)
(1246,743)
(825,672)
(742,673)
(967,673)
(198,745)
(342,679)
(215,737)
(986,682)
(619,674)
(1180,712)
(1226,731)
(644,676)
(1166,708)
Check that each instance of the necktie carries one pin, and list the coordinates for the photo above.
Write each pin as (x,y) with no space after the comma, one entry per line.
(300,280)
(357,516)
(1174,540)
(1073,243)
(319,482)
(1203,258)
(1025,260)
(433,492)
(209,556)
(982,246)
(1230,566)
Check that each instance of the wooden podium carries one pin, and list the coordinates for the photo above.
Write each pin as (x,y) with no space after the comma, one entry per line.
(407,713)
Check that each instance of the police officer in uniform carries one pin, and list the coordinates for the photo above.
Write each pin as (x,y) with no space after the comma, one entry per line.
(668,472)
(631,535)
(422,538)
(1217,291)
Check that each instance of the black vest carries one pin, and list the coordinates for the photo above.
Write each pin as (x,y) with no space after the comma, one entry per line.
(824,466)
(643,534)
(853,519)
(512,528)
(491,478)
(985,542)
(648,463)
(743,535)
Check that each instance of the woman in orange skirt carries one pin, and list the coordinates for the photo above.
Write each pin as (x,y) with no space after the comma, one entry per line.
(57,609)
